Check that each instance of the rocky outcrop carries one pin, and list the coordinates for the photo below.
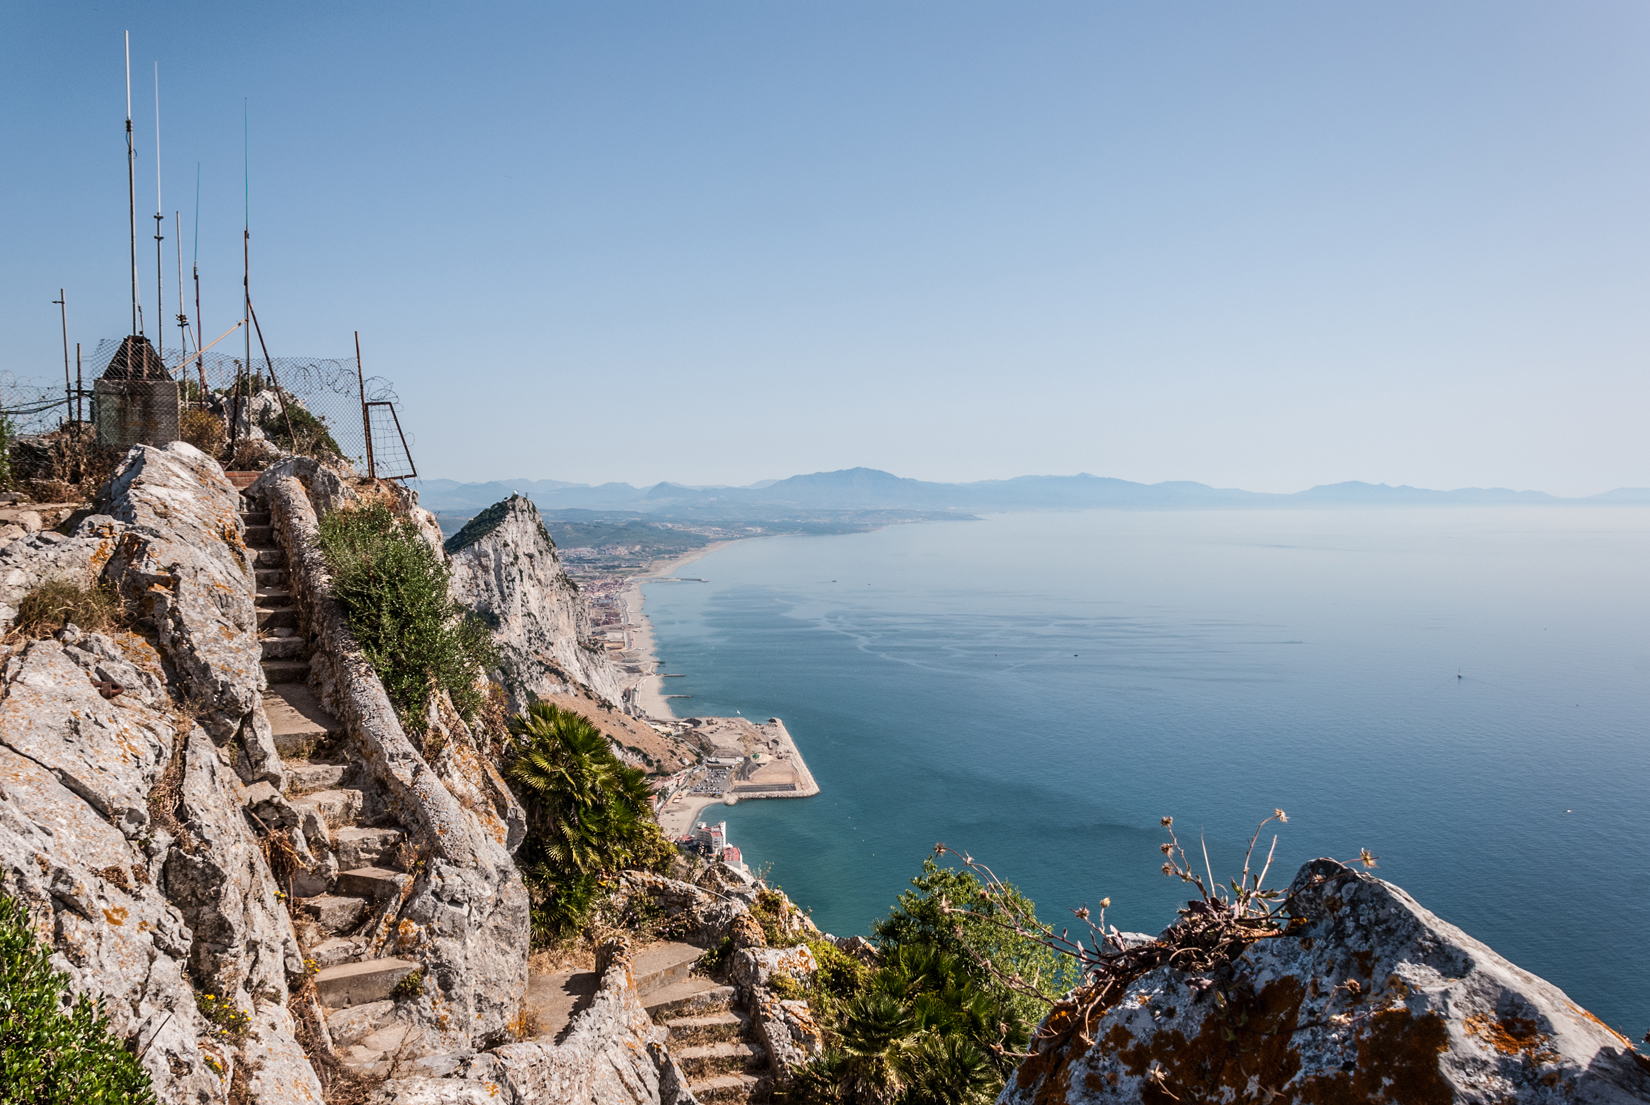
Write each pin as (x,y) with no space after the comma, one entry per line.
(506,569)
(614,1055)
(123,762)
(1365,997)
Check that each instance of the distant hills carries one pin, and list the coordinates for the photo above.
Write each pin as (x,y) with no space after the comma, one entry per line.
(868,489)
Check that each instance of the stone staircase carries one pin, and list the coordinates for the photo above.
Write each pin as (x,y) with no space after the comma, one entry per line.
(343,908)
(711,1039)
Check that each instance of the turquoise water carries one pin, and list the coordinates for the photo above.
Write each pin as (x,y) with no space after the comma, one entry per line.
(1463,692)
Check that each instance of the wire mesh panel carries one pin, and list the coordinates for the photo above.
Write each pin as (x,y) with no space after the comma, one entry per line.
(391,459)
(219,402)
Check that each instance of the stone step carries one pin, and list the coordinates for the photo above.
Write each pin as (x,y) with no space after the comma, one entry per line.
(260,537)
(277,617)
(335,913)
(296,718)
(694,996)
(268,558)
(304,777)
(726,1089)
(285,671)
(242,480)
(710,1060)
(364,848)
(664,963)
(338,808)
(711,1028)
(372,882)
(358,983)
(250,518)
(268,577)
(283,648)
(335,950)
(272,596)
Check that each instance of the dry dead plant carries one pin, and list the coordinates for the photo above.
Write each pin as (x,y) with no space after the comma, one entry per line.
(1213,929)
(93,606)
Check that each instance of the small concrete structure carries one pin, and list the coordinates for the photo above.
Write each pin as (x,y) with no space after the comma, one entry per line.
(136,401)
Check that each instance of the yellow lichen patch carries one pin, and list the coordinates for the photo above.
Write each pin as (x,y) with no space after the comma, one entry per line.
(1510,1035)
(115,916)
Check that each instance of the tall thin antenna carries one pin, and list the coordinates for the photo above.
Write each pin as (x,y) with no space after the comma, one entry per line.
(160,221)
(183,317)
(200,362)
(62,302)
(131,183)
(246,228)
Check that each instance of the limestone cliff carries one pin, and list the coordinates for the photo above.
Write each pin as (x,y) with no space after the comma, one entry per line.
(1365,998)
(506,569)
(120,809)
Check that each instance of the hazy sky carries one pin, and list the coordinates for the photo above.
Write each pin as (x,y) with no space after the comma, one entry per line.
(1263,245)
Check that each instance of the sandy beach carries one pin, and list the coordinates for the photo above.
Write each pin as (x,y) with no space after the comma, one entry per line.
(650,692)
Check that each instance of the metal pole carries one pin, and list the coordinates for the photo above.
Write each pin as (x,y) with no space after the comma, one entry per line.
(183,319)
(160,305)
(79,386)
(279,394)
(131,183)
(62,302)
(366,422)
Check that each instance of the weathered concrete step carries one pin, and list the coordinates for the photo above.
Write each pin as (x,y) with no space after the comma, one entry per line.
(260,537)
(296,717)
(285,671)
(268,558)
(335,913)
(336,950)
(272,596)
(711,1028)
(726,1089)
(710,1060)
(358,983)
(251,518)
(691,997)
(277,617)
(372,882)
(338,808)
(363,848)
(269,577)
(657,967)
(283,648)
(304,777)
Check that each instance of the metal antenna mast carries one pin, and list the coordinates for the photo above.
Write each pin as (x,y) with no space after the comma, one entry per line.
(183,318)
(131,183)
(62,302)
(160,306)
(201,362)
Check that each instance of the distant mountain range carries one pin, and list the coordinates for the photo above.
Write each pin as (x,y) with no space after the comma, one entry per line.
(861,489)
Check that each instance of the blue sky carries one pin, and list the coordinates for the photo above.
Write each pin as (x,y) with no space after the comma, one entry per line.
(1263,245)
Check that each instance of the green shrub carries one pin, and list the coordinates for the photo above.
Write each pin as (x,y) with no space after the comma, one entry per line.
(49,1054)
(393,589)
(310,436)
(786,987)
(411,986)
(7,435)
(231,1023)
(587,812)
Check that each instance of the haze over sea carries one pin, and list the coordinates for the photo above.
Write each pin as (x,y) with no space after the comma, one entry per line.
(1040,688)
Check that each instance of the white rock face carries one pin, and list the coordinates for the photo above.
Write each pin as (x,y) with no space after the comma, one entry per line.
(1368,998)
(152,909)
(506,569)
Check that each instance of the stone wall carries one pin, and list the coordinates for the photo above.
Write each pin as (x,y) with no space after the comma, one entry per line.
(466,918)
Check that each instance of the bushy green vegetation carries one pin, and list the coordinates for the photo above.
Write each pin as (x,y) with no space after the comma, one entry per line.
(587,814)
(51,1054)
(931,1025)
(309,435)
(393,589)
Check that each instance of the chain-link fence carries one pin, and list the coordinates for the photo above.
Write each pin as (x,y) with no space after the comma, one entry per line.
(236,410)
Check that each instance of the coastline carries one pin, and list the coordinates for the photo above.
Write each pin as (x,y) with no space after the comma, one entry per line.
(682,811)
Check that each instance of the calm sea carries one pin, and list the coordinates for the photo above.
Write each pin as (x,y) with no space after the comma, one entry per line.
(1461,691)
